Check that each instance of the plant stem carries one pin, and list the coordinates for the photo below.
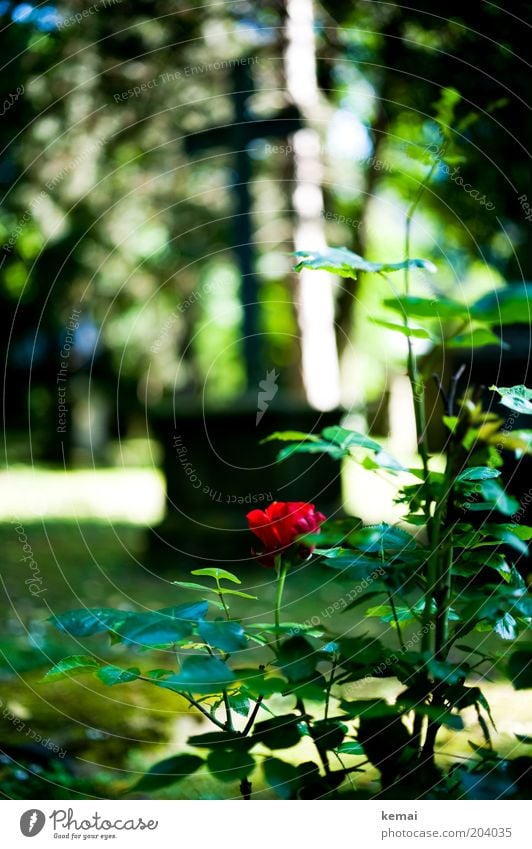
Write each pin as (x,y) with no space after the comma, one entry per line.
(249,724)
(329,687)
(300,706)
(396,620)
(195,704)
(228,714)
(418,398)
(245,788)
(282,571)
(221,597)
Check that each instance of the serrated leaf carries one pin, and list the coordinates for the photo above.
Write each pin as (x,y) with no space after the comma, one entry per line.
(219,574)
(477,337)
(72,665)
(345,263)
(162,627)
(477,473)
(200,674)
(256,683)
(506,627)
(505,306)
(320,446)
(111,675)
(226,635)
(224,591)
(88,621)
(346,439)
(414,306)
(239,703)
(289,436)
(517,398)
(414,332)
(191,585)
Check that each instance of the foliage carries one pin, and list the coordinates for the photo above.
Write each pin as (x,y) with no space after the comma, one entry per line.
(266,687)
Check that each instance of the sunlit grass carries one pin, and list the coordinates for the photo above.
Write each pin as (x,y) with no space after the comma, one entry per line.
(134,495)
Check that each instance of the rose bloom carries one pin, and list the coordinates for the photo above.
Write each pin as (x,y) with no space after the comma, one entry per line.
(279,526)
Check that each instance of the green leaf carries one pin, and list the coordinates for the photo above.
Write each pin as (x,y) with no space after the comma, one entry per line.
(239,593)
(297,659)
(494,498)
(369,708)
(383,460)
(282,776)
(159,673)
(477,473)
(504,306)
(523,738)
(111,675)
(506,627)
(289,436)
(328,734)
(200,674)
(72,665)
(347,439)
(191,585)
(520,668)
(221,740)
(168,772)
(414,332)
(279,732)
(476,337)
(385,613)
(218,574)
(162,627)
(450,422)
(345,263)
(352,747)
(524,532)
(89,621)
(382,538)
(228,636)
(320,446)
(440,715)
(239,703)
(256,683)
(517,398)
(230,765)
(413,306)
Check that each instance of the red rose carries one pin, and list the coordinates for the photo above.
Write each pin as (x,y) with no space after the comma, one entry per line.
(279,526)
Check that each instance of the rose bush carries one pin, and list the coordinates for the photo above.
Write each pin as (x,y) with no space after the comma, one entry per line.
(441,582)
